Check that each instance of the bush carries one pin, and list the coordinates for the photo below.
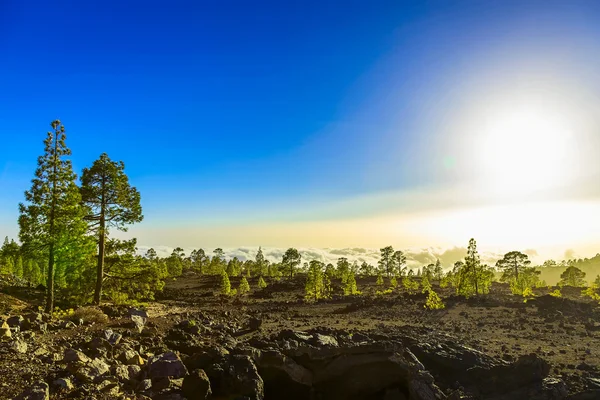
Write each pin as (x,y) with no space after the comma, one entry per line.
(89,315)
(225,287)
(556,293)
(244,286)
(383,292)
(261,283)
(394,282)
(434,302)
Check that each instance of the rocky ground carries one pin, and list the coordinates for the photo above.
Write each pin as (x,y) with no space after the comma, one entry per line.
(191,344)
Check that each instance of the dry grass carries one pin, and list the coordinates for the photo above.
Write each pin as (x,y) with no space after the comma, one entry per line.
(89,315)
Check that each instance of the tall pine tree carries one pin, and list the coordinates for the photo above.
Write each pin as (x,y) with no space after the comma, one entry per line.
(51,220)
(111,202)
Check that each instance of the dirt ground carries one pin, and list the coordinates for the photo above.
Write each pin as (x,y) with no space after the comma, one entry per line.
(563,331)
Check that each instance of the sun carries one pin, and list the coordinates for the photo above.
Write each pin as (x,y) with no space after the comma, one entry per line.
(523,149)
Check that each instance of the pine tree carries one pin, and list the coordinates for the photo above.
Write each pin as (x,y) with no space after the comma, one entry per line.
(111,203)
(434,302)
(379,280)
(261,283)
(260,263)
(225,288)
(425,284)
(244,286)
(572,276)
(18,268)
(394,282)
(291,260)
(386,262)
(438,272)
(350,287)
(315,286)
(52,220)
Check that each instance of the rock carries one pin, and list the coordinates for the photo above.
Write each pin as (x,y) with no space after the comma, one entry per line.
(72,355)
(166,365)
(394,394)
(196,385)
(593,394)
(138,323)
(254,323)
(136,360)
(14,321)
(89,372)
(5,333)
(139,312)
(34,317)
(244,379)
(67,325)
(554,389)
(323,340)
(144,385)
(19,346)
(112,337)
(38,391)
(63,383)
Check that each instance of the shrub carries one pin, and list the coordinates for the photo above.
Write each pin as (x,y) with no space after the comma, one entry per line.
(556,293)
(379,280)
(410,285)
(394,282)
(425,284)
(350,287)
(225,288)
(383,292)
(434,302)
(261,283)
(244,286)
(89,315)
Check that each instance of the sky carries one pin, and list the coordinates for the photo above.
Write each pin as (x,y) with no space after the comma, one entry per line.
(329,124)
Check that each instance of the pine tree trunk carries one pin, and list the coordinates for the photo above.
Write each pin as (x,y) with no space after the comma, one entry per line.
(50,281)
(100,266)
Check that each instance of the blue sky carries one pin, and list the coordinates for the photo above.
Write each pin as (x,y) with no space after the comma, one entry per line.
(250,123)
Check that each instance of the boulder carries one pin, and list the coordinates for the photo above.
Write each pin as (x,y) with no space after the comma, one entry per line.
(196,386)
(38,391)
(19,346)
(5,333)
(63,384)
(14,321)
(138,323)
(166,365)
(72,355)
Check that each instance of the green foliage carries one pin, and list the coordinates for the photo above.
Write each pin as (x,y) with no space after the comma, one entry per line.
(261,283)
(526,279)
(199,261)
(472,277)
(572,276)
(410,285)
(342,269)
(349,285)
(379,280)
(593,291)
(244,286)
(426,286)
(366,269)
(174,265)
(225,287)
(234,267)
(52,219)
(383,292)
(527,294)
(394,282)
(317,286)
(260,264)
(438,272)
(110,202)
(556,293)
(511,265)
(392,262)
(291,260)
(217,264)
(434,302)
